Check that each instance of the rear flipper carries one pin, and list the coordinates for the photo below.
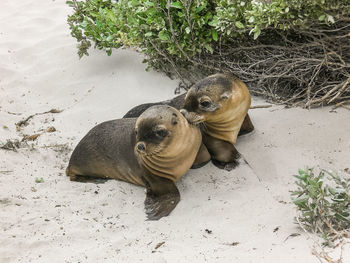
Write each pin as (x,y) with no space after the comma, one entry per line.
(84,178)
(162,196)
(88,179)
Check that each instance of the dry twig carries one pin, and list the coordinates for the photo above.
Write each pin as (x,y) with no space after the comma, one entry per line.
(260,106)
(306,67)
(24,122)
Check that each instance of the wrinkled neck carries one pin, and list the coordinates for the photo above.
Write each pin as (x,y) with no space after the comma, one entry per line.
(226,123)
(175,159)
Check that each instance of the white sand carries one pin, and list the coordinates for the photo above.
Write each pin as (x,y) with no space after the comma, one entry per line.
(62,221)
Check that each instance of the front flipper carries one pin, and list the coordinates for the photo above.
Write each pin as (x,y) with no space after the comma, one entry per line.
(224,154)
(202,158)
(162,196)
(225,166)
(247,126)
(157,206)
(74,175)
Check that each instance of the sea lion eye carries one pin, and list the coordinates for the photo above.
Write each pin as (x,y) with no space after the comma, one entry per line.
(135,132)
(205,103)
(161,133)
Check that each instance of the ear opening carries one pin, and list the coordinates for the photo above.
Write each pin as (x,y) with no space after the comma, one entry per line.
(226,95)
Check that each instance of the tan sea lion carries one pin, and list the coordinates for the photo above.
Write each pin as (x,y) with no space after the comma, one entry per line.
(153,151)
(225,115)
(221,102)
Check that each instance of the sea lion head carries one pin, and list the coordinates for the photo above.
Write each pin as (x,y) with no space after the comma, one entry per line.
(221,102)
(166,144)
(157,128)
(208,98)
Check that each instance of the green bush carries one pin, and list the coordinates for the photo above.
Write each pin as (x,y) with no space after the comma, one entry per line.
(324,203)
(197,25)
(188,36)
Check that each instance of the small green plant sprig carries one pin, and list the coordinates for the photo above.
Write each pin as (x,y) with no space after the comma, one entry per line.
(39,180)
(324,203)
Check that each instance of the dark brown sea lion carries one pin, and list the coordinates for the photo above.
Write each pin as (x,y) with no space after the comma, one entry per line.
(221,101)
(153,151)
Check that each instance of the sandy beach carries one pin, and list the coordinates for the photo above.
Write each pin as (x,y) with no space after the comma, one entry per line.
(245,215)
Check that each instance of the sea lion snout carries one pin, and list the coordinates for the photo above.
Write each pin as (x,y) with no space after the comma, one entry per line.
(141,147)
(192,117)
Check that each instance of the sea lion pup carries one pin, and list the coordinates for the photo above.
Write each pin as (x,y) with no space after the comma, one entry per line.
(153,151)
(221,102)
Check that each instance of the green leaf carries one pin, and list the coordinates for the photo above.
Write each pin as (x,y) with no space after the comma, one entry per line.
(239,24)
(342,218)
(149,3)
(251,19)
(148,34)
(322,17)
(200,8)
(84,24)
(109,38)
(257,33)
(346,214)
(301,172)
(301,201)
(209,48)
(70,3)
(177,5)
(214,33)
(332,191)
(39,180)
(214,22)
(163,35)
